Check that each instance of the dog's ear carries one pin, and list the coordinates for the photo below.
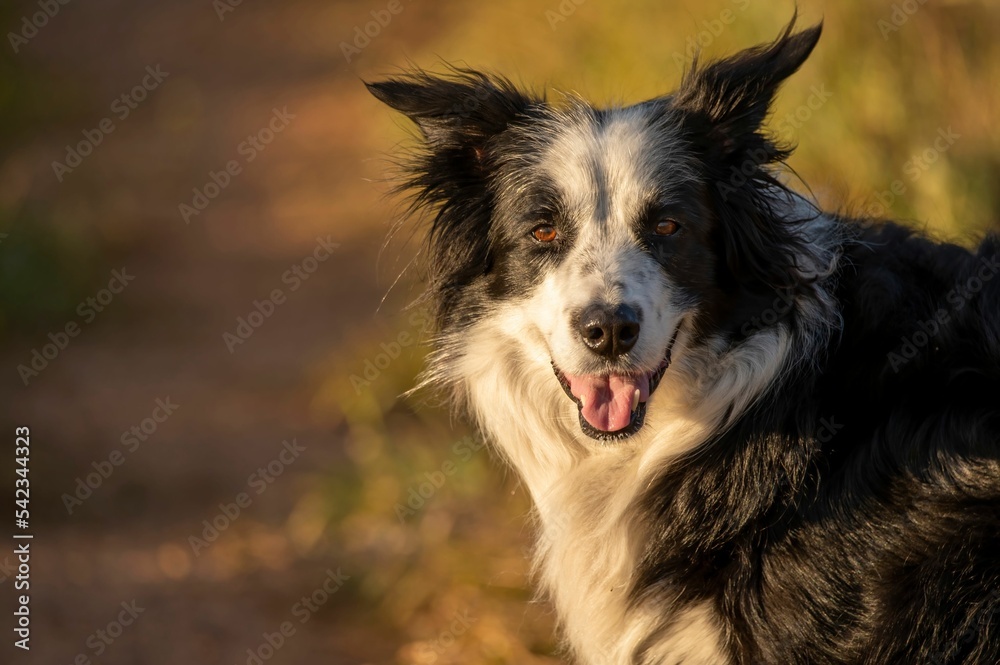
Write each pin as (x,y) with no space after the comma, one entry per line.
(459,116)
(730,98)
(721,108)
(460,112)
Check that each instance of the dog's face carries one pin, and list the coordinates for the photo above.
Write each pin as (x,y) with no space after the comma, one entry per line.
(595,244)
(603,245)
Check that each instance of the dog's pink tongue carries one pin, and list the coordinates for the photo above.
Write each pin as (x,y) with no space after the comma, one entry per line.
(607,400)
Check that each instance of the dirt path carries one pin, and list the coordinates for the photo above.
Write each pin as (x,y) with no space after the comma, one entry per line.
(161,338)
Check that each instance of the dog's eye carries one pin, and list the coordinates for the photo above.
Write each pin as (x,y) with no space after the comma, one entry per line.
(667,227)
(544,233)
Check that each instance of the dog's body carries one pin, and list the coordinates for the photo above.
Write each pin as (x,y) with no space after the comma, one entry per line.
(754,432)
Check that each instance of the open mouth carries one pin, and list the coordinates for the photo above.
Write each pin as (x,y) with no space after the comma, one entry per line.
(613,406)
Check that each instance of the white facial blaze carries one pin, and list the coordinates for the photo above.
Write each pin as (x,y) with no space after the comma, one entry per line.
(607,174)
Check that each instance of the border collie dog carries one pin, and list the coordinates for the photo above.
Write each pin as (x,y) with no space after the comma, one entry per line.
(753,431)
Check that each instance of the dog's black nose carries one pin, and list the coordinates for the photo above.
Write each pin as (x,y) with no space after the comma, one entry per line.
(609,331)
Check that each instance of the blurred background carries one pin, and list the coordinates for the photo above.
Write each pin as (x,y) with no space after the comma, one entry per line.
(206,331)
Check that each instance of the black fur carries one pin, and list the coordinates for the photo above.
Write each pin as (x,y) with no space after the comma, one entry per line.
(852,515)
(460,119)
(724,106)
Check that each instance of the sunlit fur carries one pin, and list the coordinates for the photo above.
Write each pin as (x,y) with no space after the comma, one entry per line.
(707,535)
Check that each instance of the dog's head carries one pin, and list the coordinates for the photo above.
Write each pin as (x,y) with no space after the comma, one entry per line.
(592,246)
